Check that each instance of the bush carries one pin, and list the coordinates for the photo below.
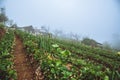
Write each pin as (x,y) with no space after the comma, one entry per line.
(2,25)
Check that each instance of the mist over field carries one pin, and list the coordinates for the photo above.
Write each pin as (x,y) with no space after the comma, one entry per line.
(97,19)
(59,39)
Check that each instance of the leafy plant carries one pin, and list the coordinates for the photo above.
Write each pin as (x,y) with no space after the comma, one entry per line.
(6,65)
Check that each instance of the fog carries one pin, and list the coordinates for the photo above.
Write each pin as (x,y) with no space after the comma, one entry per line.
(97,19)
(2,3)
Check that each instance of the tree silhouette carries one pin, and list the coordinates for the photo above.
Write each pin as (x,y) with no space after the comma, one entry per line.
(3,17)
(90,42)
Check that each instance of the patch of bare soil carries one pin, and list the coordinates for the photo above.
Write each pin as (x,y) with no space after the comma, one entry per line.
(2,32)
(22,65)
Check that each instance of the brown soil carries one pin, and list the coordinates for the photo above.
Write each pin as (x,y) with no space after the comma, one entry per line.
(22,66)
(2,32)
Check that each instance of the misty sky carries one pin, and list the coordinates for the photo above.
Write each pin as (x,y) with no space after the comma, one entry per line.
(97,19)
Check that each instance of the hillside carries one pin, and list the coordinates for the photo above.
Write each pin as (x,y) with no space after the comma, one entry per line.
(24,56)
(2,31)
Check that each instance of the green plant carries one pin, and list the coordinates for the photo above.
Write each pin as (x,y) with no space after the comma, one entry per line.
(6,65)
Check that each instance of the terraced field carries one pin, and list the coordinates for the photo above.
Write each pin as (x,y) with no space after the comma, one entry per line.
(24,56)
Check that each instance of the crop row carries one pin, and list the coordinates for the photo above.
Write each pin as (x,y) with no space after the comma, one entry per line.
(102,52)
(93,54)
(6,65)
(60,64)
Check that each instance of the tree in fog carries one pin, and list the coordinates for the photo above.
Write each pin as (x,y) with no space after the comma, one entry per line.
(57,33)
(89,42)
(76,37)
(10,23)
(46,29)
(14,26)
(3,17)
(106,45)
(116,41)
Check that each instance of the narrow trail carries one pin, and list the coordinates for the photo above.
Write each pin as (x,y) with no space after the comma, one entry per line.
(22,66)
(2,32)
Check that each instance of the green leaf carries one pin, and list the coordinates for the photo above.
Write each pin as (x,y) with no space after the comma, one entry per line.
(58,63)
(106,78)
(65,53)
(73,79)
(118,74)
(59,50)
(6,56)
(52,70)
(118,53)
(12,73)
(68,52)
(67,74)
(55,45)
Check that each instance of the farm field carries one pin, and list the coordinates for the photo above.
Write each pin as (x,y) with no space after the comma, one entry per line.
(24,56)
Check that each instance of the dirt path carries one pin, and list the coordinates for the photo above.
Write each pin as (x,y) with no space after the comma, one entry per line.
(22,66)
(2,32)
